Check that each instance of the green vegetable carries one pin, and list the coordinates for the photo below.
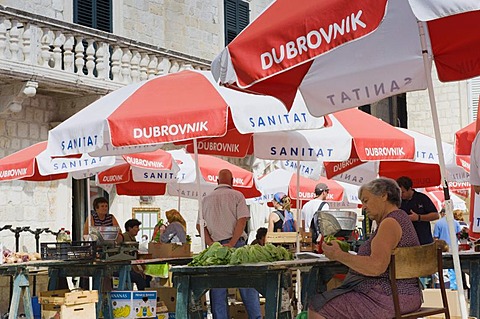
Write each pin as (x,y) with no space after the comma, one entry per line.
(343,244)
(221,255)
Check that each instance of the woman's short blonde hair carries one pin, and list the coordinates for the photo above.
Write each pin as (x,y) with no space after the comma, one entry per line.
(174,215)
(458,214)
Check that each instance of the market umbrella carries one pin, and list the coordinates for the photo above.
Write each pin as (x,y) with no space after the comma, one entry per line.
(176,107)
(134,175)
(424,169)
(347,134)
(23,165)
(284,181)
(33,163)
(343,54)
(182,182)
(438,198)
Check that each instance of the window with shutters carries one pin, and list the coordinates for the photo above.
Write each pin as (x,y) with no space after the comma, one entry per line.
(95,14)
(237,17)
(473,97)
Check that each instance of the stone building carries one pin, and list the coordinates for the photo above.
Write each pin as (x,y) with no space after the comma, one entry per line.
(58,56)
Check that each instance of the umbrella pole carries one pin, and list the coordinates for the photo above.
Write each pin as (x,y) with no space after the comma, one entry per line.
(441,159)
(299,215)
(178,202)
(299,223)
(197,179)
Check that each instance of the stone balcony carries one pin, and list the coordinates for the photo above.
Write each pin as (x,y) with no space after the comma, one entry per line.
(68,58)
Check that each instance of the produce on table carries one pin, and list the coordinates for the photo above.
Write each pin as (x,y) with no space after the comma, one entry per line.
(343,244)
(217,254)
(10,257)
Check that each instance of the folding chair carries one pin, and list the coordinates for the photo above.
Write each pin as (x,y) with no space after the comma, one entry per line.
(414,262)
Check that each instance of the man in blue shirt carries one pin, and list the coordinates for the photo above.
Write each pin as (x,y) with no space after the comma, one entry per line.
(440,231)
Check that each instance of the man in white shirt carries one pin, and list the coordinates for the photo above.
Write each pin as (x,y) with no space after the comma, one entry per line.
(321,192)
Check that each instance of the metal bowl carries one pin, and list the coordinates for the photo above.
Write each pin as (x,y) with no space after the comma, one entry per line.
(347,219)
(105,233)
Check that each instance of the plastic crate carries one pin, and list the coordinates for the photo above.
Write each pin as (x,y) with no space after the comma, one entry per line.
(76,250)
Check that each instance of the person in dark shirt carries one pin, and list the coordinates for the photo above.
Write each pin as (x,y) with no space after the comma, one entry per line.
(420,209)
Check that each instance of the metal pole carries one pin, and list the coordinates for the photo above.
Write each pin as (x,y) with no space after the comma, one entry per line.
(199,195)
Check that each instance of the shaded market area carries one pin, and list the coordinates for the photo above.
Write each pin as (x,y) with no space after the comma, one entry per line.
(294,176)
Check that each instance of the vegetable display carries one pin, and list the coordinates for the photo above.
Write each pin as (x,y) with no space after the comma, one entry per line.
(10,257)
(217,254)
(343,244)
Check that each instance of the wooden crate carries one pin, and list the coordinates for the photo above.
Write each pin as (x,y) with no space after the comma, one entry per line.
(281,237)
(67,297)
(79,311)
(290,238)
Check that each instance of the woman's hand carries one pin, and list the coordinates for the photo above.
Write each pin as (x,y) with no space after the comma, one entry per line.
(332,250)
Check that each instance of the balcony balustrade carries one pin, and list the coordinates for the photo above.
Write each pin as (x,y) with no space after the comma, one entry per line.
(72,57)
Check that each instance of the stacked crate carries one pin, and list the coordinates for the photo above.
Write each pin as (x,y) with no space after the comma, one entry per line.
(66,304)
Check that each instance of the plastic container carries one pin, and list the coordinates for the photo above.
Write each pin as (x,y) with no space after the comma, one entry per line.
(77,250)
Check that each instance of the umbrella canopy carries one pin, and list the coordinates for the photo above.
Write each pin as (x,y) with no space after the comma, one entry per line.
(284,181)
(438,198)
(348,134)
(175,107)
(334,58)
(463,145)
(35,164)
(22,165)
(176,180)
(137,173)
(424,170)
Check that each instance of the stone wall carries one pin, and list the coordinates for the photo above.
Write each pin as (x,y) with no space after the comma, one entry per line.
(452,108)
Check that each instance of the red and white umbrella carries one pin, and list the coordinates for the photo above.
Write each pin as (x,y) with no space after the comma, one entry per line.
(23,165)
(438,198)
(179,179)
(138,173)
(341,54)
(424,169)
(35,164)
(348,134)
(284,181)
(463,145)
(176,107)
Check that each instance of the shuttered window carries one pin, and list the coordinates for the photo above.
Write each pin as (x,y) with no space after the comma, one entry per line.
(95,14)
(473,97)
(237,17)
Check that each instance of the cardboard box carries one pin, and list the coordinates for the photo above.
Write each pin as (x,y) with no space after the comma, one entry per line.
(433,298)
(134,304)
(80,311)
(237,310)
(168,295)
(160,250)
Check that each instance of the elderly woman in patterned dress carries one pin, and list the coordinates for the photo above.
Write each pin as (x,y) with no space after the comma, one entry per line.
(366,291)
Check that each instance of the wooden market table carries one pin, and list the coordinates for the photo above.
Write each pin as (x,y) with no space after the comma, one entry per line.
(270,278)
(98,269)
(267,278)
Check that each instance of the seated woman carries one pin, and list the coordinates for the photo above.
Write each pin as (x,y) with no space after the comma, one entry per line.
(260,237)
(282,218)
(366,291)
(175,232)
